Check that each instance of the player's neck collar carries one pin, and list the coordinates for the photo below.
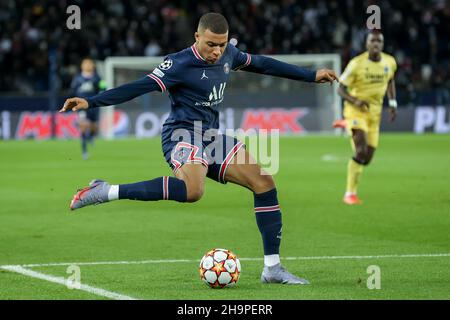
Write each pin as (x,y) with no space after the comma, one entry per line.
(196,53)
(380,57)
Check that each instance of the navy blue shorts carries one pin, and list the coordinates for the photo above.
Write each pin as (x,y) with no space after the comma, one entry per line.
(214,152)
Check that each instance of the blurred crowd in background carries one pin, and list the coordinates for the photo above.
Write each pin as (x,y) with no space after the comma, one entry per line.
(417,33)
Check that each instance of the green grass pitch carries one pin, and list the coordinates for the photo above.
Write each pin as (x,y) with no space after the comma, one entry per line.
(406,211)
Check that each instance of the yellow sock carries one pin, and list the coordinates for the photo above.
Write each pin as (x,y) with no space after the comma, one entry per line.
(354,171)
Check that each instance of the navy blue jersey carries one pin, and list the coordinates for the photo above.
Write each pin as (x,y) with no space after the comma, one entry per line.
(85,87)
(196,88)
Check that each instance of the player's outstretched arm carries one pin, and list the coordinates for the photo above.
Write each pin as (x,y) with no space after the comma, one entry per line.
(342,91)
(114,96)
(269,66)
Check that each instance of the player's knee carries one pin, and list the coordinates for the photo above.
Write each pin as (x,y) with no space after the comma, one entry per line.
(264,183)
(361,156)
(194,193)
(83,127)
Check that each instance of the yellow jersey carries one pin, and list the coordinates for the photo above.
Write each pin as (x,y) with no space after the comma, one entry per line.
(368,80)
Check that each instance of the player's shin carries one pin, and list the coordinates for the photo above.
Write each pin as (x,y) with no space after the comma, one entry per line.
(268,218)
(84,140)
(354,171)
(162,188)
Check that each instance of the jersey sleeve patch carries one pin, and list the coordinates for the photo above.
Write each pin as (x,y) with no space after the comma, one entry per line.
(168,73)
(166,64)
(158,72)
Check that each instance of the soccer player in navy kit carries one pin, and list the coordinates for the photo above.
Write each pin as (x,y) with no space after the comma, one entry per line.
(87,84)
(196,79)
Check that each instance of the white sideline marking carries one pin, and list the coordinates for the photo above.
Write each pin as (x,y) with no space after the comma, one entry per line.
(104,263)
(395,256)
(61,280)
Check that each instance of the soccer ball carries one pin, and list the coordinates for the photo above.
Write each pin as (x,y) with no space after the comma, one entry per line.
(220,268)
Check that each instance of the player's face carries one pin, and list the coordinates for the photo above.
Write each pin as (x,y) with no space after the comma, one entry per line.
(211,45)
(87,66)
(375,43)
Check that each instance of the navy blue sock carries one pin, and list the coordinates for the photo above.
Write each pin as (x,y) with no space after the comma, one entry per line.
(89,136)
(84,139)
(268,218)
(162,188)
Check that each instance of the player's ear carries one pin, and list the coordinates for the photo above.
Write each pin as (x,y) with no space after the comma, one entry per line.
(197,36)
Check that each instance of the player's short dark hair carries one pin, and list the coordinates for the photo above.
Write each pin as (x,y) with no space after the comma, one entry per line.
(87,58)
(215,22)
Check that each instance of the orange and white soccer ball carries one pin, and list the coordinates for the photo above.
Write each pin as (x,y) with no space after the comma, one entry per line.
(220,268)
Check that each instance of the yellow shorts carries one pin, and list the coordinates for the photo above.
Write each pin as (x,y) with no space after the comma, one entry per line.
(365,121)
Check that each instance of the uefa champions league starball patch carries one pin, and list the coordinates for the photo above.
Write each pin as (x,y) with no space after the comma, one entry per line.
(166,64)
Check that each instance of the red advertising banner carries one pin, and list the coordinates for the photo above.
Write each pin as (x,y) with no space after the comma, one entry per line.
(37,125)
(285,120)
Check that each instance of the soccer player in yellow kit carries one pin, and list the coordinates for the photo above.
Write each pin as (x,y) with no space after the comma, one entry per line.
(363,85)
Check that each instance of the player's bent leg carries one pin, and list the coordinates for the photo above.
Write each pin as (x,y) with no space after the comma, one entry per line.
(99,191)
(360,142)
(373,137)
(244,171)
(355,166)
(84,135)
(193,175)
(93,130)
(188,186)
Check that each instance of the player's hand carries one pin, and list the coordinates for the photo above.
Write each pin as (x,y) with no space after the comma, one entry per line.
(74,104)
(363,104)
(326,75)
(392,114)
